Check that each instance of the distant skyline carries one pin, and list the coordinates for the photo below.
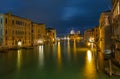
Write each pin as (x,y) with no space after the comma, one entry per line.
(63,15)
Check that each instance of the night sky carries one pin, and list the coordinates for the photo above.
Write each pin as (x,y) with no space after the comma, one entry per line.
(63,15)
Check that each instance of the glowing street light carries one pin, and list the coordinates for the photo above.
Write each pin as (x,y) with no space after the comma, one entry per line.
(91,40)
(40,41)
(20,43)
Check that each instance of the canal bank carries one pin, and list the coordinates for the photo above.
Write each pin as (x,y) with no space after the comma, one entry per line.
(109,66)
(115,68)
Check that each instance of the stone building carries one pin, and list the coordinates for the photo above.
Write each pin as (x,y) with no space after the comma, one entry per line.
(116,28)
(105,31)
(96,35)
(38,33)
(88,34)
(18,32)
(14,31)
(50,35)
(75,35)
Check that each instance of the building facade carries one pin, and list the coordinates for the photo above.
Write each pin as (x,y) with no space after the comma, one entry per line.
(89,37)
(105,31)
(15,31)
(50,35)
(38,33)
(75,35)
(96,35)
(89,33)
(116,28)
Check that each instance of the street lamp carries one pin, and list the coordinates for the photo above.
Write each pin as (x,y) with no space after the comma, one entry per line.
(19,43)
(91,41)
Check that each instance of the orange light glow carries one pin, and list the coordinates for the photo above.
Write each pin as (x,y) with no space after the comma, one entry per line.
(89,55)
(59,55)
(19,55)
(41,56)
(90,69)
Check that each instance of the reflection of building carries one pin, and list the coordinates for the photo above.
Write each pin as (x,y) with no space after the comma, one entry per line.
(51,35)
(116,28)
(38,33)
(14,31)
(105,31)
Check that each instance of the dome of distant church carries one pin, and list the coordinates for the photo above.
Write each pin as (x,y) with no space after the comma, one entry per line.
(72,32)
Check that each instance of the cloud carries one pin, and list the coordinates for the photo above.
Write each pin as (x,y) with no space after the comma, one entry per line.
(60,14)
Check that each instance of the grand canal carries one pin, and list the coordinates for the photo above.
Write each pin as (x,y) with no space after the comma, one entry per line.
(63,60)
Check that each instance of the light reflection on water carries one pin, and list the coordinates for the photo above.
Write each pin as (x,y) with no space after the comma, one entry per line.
(89,55)
(68,49)
(43,61)
(59,55)
(19,59)
(74,50)
(41,55)
(89,71)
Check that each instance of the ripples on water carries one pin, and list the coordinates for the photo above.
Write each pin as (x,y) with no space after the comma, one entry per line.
(63,60)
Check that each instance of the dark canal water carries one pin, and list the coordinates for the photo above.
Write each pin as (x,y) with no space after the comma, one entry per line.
(63,60)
